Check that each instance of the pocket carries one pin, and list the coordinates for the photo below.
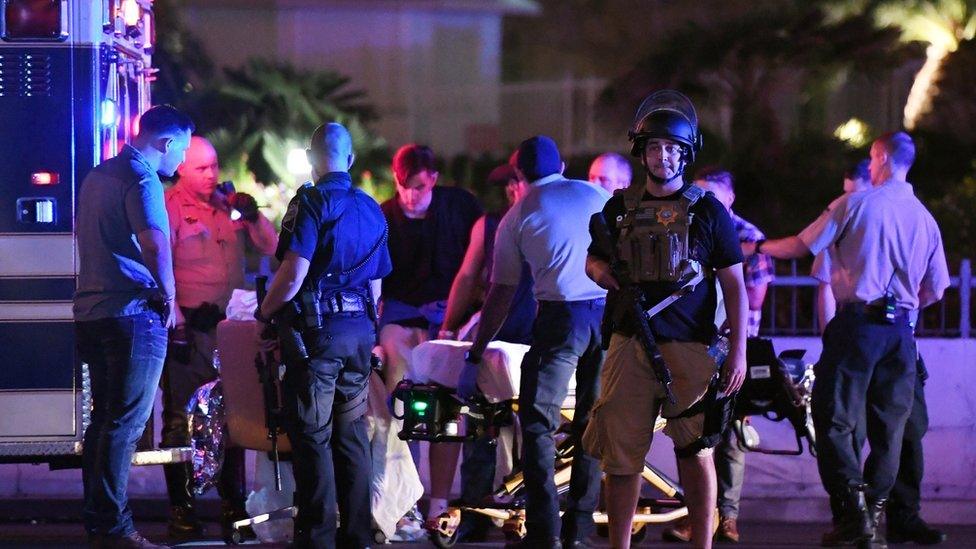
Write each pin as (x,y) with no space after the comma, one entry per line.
(191,242)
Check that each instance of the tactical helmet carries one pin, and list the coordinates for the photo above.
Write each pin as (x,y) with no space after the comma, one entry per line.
(666,114)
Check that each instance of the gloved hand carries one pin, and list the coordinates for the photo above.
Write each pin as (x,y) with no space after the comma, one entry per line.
(468,381)
(245,204)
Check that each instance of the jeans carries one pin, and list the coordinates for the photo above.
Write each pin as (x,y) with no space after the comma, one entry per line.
(865,376)
(125,357)
(730,468)
(327,429)
(566,339)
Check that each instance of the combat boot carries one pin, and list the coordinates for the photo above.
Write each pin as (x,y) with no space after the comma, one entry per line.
(183,522)
(876,511)
(854,526)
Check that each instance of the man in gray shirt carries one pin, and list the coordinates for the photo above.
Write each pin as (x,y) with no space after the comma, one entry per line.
(887,260)
(122,310)
(548,230)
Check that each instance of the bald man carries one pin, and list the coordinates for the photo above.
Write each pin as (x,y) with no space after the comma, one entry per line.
(333,254)
(208,263)
(610,171)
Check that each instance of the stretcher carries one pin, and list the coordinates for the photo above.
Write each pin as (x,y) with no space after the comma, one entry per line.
(440,362)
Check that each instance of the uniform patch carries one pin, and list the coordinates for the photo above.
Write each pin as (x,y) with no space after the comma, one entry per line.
(288,222)
(760,372)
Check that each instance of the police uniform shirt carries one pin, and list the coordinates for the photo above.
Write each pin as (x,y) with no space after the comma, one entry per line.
(713,241)
(336,228)
(548,229)
(882,239)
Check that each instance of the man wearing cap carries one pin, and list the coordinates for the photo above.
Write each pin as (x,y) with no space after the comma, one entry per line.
(545,230)
(886,257)
(611,171)
(478,466)
(668,228)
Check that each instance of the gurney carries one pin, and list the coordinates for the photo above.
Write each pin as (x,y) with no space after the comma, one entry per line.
(438,364)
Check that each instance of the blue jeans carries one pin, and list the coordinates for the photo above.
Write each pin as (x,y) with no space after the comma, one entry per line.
(324,415)
(125,357)
(565,340)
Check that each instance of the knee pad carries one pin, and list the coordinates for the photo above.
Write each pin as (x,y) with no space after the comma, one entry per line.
(718,414)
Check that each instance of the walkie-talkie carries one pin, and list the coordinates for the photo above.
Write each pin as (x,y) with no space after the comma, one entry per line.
(890,308)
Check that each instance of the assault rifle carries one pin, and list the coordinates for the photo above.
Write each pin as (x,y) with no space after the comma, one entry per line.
(629,302)
(269,375)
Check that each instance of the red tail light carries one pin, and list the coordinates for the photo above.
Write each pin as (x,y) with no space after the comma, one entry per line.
(34,20)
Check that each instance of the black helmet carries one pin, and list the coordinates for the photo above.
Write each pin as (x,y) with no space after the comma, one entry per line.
(666,114)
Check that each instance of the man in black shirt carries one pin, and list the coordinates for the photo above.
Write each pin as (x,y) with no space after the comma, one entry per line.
(664,227)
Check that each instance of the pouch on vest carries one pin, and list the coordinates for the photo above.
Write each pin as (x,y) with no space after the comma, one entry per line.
(653,239)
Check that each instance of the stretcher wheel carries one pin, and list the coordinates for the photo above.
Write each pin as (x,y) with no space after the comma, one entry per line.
(638,534)
(443,541)
(236,537)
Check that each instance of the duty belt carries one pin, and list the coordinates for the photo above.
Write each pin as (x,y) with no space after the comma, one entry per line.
(344,302)
(873,308)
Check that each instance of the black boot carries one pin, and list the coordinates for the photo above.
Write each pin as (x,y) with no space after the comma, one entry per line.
(183,521)
(876,511)
(231,487)
(854,525)
(903,529)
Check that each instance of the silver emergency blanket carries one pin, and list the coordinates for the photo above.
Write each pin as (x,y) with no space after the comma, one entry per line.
(207,434)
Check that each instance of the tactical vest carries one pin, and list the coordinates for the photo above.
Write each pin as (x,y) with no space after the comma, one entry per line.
(653,238)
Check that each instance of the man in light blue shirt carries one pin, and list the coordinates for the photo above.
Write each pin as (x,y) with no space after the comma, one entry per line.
(549,230)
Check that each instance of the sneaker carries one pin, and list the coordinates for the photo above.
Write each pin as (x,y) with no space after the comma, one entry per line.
(410,527)
(727,530)
(680,531)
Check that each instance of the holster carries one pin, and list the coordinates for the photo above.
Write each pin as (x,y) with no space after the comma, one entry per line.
(290,326)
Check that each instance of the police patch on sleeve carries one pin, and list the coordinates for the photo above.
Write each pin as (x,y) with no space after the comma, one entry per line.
(288,222)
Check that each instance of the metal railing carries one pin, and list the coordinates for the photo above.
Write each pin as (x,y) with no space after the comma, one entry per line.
(790,306)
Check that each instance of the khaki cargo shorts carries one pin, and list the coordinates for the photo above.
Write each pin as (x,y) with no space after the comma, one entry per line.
(631,398)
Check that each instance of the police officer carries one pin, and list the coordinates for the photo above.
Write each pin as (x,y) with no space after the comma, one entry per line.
(887,259)
(208,264)
(668,229)
(333,252)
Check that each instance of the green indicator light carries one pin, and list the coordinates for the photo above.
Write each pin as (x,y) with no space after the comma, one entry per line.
(420,406)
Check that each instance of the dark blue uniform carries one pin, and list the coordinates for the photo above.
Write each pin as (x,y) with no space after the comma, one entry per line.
(342,233)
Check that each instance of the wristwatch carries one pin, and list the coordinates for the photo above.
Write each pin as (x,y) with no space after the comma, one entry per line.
(472,357)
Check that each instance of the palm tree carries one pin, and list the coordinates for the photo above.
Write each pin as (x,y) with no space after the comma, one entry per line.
(939,24)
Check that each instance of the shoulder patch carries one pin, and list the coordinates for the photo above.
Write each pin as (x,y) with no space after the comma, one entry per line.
(291,214)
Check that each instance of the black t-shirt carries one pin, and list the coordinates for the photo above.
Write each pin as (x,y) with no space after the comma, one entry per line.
(427,253)
(712,241)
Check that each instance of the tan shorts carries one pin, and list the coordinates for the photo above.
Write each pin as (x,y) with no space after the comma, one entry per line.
(631,398)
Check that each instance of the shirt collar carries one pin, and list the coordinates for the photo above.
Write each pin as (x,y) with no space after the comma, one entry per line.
(136,155)
(335,180)
(548,179)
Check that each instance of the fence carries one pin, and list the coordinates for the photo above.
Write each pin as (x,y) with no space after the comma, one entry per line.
(790,306)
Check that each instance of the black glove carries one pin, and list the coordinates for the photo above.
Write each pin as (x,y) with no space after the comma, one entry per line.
(245,204)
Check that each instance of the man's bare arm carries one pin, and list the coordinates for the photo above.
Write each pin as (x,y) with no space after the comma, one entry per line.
(466,280)
(287,281)
(736,310)
(790,247)
(493,315)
